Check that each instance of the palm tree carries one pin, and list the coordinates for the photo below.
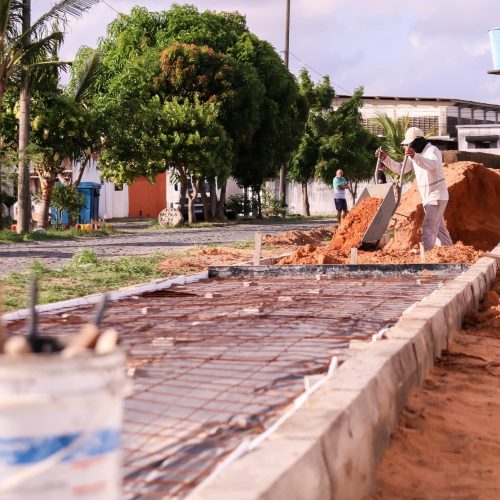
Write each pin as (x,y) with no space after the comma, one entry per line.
(24,47)
(66,112)
(394,133)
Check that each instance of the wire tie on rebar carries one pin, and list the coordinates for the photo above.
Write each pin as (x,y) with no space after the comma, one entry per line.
(379,335)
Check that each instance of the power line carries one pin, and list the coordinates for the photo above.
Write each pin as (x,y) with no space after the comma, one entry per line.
(318,73)
(110,6)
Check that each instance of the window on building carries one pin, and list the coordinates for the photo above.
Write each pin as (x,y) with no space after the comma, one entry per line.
(482,142)
(118,187)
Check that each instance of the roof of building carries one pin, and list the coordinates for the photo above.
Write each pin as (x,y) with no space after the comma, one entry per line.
(432,99)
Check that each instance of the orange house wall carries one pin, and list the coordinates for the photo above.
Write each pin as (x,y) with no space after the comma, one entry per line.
(145,199)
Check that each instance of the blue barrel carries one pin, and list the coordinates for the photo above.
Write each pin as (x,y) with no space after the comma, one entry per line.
(91,209)
(495,47)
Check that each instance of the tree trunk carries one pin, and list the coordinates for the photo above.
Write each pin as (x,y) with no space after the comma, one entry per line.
(283,186)
(191,202)
(305,200)
(245,202)
(81,170)
(23,190)
(46,187)
(204,199)
(221,202)
(182,195)
(213,199)
(1,192)
(259,204)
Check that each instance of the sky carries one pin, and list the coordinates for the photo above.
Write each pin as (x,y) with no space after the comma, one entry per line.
(431,48)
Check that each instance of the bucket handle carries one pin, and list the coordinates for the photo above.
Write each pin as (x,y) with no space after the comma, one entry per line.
(36,469)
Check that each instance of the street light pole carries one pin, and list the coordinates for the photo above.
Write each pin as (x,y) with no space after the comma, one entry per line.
(287,60)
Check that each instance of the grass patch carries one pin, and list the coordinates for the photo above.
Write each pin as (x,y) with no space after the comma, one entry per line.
(86,274)
(7,236)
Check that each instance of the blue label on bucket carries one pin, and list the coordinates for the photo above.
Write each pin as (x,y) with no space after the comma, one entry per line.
(29,450)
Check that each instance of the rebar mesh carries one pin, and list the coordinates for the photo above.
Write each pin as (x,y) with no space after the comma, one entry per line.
(219,360)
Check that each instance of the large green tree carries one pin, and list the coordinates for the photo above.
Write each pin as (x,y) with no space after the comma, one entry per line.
(305,159)
(181,135)
(182,52)
(348,145)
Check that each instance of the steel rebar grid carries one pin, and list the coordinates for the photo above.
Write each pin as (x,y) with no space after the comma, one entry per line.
(219,360)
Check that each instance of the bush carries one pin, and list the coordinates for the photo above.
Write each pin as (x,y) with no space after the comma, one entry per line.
(236,204)
(66,197)
(271,206)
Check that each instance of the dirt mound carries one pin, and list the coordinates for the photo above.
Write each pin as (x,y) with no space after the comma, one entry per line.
(472,215)
(197,259)
(313,237)
(457,254)
(354,226)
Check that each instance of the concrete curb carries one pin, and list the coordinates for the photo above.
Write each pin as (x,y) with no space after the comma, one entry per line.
(330,448)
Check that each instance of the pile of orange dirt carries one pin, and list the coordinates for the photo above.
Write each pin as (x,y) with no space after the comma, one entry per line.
(352,229)
(447,444)
(290,238)
(348,235)
(457,254)
(472,215)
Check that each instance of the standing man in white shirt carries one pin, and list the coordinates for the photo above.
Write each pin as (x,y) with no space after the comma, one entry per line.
(426,160)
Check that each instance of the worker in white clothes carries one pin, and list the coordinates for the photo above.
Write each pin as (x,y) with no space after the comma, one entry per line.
(426,160)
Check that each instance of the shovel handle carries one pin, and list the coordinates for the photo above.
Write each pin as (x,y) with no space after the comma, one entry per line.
(399,185)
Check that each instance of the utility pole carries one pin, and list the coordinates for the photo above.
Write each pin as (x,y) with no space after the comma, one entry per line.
(287,60)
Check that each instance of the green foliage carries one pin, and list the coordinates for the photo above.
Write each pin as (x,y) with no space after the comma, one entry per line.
(61,128)
(150,59)
(84,256)
(45,34)
(394,133)
(242,205)
(271,206)
(79,280)
(66,197)
(304,160)
(348,145)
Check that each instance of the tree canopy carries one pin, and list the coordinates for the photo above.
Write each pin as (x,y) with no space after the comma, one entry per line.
(348,145)
(150,58)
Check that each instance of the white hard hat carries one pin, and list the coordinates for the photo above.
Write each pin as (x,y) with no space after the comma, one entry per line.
(411,134)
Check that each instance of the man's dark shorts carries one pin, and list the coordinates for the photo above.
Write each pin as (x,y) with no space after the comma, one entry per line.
(341,204)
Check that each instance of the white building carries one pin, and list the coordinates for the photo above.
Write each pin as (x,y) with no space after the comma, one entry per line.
(483,138)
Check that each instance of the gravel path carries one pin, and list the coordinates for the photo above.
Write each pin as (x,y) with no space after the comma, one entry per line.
(55,253)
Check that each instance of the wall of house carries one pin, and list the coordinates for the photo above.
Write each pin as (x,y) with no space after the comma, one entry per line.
(487,130)
(113,199)
(320,198)
(146,199)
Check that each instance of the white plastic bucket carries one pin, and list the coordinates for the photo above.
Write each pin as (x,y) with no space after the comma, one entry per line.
(60,427)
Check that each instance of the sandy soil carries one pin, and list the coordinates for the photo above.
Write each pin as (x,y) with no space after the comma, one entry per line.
(447,445)
(200,258)
(290,238)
